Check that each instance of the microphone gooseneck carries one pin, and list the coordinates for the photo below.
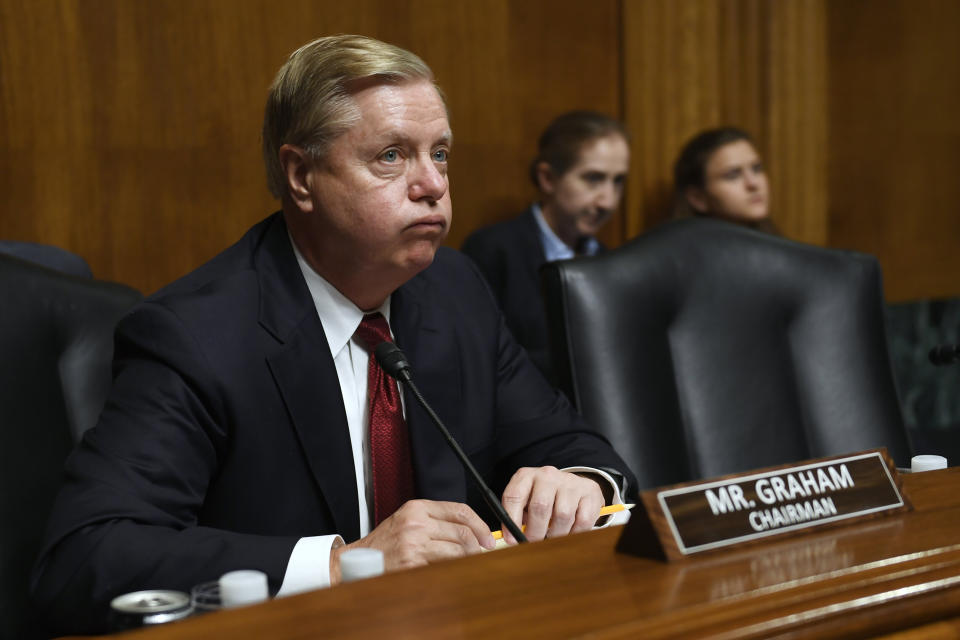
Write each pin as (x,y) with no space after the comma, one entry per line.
(393,361)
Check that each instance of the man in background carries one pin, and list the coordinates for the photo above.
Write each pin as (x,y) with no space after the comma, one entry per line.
(580,170)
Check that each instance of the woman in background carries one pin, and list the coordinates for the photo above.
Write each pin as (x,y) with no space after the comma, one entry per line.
(719,174)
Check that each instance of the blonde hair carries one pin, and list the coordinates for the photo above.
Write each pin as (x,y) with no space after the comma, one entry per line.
(310,102)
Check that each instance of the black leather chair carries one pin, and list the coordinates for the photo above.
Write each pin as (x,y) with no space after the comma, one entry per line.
(48,256)
(56,346)
(703,348)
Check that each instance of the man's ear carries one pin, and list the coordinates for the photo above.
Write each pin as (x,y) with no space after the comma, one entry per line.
(696,198)
(296,168)
(545,178)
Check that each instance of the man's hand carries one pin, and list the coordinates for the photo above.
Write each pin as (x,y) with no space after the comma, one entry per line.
(420,532)
(551,502)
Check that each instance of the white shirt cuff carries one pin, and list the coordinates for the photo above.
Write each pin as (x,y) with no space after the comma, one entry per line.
(620,517)
(309,565)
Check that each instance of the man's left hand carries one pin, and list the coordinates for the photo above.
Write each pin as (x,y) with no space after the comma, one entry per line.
(551,502)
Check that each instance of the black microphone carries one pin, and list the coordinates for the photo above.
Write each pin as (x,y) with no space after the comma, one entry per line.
(393,361)
(945,354)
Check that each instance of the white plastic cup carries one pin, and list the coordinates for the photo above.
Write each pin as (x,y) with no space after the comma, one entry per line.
(240,588)
(357,564)
(927,463)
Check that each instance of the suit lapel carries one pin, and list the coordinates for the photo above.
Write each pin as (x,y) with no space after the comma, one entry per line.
(305,374)
(427,338)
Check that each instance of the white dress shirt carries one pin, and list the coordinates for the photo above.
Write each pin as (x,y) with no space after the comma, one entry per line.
(553,247)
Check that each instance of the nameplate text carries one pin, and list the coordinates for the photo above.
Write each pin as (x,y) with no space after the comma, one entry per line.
(695,517)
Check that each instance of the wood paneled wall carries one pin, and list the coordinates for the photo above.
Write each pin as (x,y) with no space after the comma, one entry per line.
(129,131)
(895,139)
(759,65)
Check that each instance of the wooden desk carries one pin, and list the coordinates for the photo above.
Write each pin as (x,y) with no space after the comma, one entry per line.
(879,577)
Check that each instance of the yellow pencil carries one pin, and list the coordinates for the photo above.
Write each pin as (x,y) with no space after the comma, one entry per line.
(607,510)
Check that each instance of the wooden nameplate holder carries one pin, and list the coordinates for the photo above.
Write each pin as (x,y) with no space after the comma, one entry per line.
(675,522)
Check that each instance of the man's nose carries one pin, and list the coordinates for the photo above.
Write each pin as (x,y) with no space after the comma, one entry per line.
(427,182)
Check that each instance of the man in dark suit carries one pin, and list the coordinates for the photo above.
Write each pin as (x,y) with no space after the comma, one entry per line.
(247,423)
(580,169)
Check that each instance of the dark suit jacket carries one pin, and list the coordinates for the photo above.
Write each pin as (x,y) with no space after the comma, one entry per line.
(225,438)
(510,255)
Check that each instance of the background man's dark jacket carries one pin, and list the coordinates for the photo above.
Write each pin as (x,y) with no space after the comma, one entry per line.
(509,255)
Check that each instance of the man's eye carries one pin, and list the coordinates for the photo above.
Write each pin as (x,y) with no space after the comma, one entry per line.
(594,178)
(440,155)
(390,155)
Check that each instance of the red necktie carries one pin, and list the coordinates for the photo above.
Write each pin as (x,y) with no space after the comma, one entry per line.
(389,441)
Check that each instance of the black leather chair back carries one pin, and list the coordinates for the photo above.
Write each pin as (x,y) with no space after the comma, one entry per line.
(56,347)
(703,348)
(47,255)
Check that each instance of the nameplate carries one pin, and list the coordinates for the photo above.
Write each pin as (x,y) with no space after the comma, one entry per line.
(740,509)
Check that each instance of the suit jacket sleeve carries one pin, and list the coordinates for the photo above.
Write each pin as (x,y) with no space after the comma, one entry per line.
(129,512)
(536,424)
(484,386)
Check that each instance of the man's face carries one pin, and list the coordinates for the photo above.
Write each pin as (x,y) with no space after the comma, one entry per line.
(587,194)
(381,194)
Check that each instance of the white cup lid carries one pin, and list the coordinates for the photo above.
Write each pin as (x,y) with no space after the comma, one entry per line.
(927,463)
(239,588)
(360,563)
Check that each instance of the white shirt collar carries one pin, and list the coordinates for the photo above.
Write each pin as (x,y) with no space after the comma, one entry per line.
(553,247)
(338,315)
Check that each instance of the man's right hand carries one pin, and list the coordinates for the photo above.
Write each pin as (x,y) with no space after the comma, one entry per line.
(420,532)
